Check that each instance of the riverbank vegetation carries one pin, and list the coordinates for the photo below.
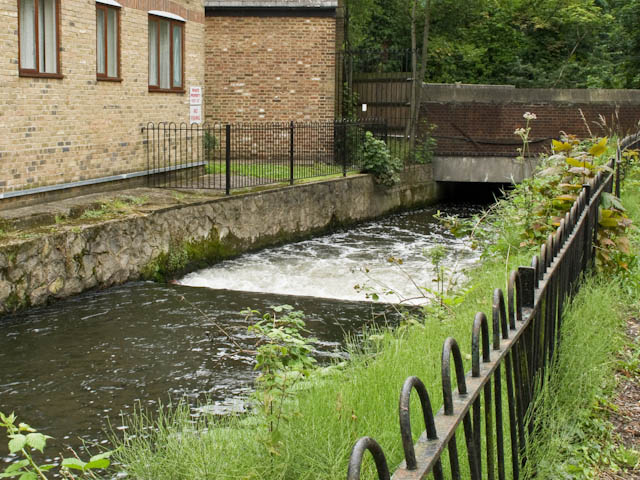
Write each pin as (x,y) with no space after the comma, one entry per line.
(327,411)
(573,435)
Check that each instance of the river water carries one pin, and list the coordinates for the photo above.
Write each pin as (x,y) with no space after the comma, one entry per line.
(69,369)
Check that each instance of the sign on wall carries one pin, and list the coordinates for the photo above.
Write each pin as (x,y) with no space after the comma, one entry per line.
(195,105)
(195,95)
(195,114)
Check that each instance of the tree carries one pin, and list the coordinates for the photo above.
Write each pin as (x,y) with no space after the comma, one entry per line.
(417,76)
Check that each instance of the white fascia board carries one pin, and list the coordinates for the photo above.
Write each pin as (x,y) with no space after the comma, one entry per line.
(172,16)
(111,3)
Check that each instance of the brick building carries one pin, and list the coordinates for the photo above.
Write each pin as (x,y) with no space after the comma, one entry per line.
(79,79)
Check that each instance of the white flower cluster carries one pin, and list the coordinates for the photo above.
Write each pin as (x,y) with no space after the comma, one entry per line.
(529,116)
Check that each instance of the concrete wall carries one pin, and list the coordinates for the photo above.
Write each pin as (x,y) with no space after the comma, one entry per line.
(67,262)
(269,67)
(74,128)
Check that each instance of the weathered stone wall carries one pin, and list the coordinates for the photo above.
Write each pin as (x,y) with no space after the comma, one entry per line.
(267,68)
(99,255)
(56,131)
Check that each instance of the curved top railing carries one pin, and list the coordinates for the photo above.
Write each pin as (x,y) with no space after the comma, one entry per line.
(525,334)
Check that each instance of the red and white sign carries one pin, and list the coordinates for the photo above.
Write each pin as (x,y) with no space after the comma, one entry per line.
(195,96)
(195,114)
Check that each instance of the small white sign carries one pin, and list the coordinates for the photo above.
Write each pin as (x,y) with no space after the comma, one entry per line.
(195,96)
(364,107)
(195,114)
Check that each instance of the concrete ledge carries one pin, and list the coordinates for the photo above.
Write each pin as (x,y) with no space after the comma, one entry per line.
(507,94)
(481,169)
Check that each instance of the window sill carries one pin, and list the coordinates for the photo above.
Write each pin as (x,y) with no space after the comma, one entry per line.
(165,90)
(41,75)
(107,79)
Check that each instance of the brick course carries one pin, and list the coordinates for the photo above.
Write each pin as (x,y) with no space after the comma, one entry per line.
(269,68)
(488,129)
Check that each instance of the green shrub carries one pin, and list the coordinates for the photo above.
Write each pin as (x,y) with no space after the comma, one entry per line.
(378,161)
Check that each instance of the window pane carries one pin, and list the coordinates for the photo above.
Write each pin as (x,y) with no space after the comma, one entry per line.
(27,34)
(153,53)
(112,39)
(48,35)
(100,40)
(41,31)
(165,71)
(177,56)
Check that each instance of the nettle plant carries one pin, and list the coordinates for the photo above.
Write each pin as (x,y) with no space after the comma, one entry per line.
(283,357)
(25,441)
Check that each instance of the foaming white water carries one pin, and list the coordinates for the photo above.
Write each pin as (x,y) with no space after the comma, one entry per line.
(348,265)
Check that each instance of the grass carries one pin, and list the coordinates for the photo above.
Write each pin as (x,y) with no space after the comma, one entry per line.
(275,170)
(109,208)
(573,438)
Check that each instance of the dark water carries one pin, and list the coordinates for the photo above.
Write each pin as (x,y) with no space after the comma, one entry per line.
(69,369)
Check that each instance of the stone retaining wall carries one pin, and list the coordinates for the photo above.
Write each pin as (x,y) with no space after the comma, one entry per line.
(178,238)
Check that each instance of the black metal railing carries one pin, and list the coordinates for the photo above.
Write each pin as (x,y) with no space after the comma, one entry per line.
(630,142)
(233,156)
(525,334)
(376,84)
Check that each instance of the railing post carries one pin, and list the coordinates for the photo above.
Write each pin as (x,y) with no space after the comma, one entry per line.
(291,132)
(345,150)
(148,156)
(588,232)
(227,169)
(618,171)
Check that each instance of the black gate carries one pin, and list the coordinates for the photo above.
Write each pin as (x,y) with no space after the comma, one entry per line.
(375,85)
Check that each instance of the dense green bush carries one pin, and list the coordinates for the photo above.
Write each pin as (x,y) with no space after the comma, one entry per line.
(378,161)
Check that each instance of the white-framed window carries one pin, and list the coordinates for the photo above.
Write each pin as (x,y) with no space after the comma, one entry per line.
(107,40)
(39,38)
(166,52)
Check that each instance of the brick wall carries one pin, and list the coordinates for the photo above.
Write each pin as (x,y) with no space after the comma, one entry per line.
(76,128)
(263,68)
(482,120)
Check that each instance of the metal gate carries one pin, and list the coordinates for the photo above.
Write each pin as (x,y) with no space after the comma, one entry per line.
(375,85)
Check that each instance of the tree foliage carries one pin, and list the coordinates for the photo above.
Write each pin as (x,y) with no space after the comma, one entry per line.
(527,43)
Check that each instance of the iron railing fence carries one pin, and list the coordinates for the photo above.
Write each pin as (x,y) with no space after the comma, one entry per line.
(376,84)
(232,156)
(513,355)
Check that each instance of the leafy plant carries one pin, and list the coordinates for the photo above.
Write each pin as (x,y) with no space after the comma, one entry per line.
(283,358)
(426,146)
(378,161)
(24,441)
(536,206)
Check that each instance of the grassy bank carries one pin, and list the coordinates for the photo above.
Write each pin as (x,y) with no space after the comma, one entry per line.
(573,438)
(337,405)
(333,408)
